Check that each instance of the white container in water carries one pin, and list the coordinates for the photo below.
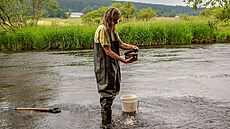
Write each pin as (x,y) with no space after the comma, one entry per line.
(129,103)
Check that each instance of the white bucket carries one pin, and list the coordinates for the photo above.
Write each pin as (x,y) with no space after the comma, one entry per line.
(129,103)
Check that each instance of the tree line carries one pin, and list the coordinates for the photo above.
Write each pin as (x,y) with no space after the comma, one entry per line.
(129,13)
(161,10)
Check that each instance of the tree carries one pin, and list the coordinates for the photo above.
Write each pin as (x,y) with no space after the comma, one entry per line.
(159,13)
(128,11)
(49,12)
(87,10)
(225,14)
(146,14)
(117,5)
(172,14)
(210,12)
(94,17)
(38,8)
(15,14)
(198,3)
(224,5)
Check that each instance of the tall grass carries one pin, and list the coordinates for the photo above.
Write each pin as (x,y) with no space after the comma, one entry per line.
(49,37)
(223,34)
(139,33)
(166,33)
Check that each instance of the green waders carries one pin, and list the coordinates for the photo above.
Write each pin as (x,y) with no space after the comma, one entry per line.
(108,77)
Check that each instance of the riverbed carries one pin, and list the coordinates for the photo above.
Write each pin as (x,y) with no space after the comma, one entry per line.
(176,87)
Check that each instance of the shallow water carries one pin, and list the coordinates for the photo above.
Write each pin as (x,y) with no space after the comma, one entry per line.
(176,88)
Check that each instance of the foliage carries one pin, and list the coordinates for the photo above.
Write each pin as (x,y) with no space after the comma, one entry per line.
(163,10)
(166,33)
(15,14)
(198,3)
(94,17)
(49,37)
(223,34)
(87,9)
(146,14)
(211,12)
(184,17)
(128,11)
(139,33)
(223,12)
(117,5)
(172,14)
(54,13)
(38,7)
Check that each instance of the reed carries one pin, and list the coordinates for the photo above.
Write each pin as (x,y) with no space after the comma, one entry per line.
(49,37)
(140,33)
(223,34)
(166,33)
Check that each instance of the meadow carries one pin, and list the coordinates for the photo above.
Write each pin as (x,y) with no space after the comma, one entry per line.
(71,34)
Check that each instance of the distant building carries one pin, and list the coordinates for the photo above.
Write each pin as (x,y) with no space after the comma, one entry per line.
(76,14)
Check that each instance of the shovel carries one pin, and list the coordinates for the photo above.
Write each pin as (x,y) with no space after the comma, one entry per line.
(51,110)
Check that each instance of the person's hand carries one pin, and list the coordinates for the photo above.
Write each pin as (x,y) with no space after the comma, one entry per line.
(129,60)
(135,48)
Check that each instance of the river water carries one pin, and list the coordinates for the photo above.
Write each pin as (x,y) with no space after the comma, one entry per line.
(176,87)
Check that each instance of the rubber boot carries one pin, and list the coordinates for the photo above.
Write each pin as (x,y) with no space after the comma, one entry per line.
(106,119)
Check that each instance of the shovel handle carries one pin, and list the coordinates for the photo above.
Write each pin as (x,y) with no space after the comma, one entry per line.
(35,109)
(53,110)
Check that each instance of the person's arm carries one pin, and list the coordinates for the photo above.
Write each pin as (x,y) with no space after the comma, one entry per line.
(127,46)
(104,39)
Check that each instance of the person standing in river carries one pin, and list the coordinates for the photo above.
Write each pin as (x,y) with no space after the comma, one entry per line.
(106,62)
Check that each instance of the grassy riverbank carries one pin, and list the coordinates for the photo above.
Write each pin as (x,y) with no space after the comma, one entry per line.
(70,36)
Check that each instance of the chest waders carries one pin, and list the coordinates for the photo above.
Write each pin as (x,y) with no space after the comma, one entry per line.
(108,77)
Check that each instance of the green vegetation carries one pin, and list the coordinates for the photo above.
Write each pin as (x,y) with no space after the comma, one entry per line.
(158,32)
(94,17)
(48,37)
(220,9)
(161,10)
(146,14)
(16,14)
(166,33)
(127,9)
(140,27)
